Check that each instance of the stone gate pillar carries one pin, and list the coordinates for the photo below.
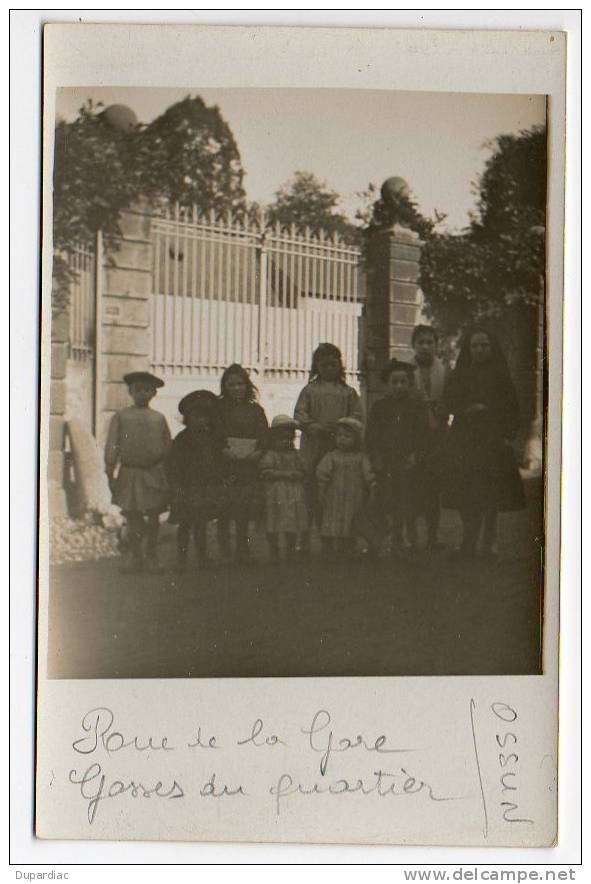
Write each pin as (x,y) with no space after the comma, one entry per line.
(393,304)
(60,329)
(123,340)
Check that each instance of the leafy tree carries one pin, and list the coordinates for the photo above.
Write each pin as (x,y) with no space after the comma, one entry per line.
(186,154)
(498,260)
(189,155)
(91,185)
(512,188)
(308,202)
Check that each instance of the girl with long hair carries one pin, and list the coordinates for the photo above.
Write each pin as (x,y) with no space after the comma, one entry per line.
(324,400)
(244,427)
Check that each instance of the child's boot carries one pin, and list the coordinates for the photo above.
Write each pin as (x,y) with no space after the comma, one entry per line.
(412,536)
(181,561)
(128,563)
(201,544)
(152,563)
(327,548)
(290,547)
(242,544)
(223,536)
(132,556)
(182,548)
(243,556)
(274,555)
(304,548)
(396,547)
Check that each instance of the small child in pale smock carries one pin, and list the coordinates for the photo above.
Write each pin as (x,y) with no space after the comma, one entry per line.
(137,444)
(346,481)
(283,472)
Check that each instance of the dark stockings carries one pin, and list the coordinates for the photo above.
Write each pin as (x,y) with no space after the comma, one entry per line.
(432,517)
(136,525)
(290,545)
(183,537)
(241,538)
(489,530)
(152,528)
(473,520)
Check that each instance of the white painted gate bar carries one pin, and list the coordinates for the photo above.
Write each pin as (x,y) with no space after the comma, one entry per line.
(236,290)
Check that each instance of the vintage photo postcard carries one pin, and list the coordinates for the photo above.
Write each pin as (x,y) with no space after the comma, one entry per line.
(300,453)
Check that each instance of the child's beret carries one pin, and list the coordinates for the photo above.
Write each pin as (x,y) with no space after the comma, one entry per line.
(351,423)
(284,422)
(397,365)
(198,400)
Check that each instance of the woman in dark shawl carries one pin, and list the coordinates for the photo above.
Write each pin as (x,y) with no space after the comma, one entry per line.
(481,476)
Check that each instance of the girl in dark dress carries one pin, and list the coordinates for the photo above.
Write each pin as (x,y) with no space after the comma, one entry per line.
(481,477)
(245,428)
(194,473)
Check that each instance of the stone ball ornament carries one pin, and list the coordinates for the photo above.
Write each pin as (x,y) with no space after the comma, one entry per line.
(121,118)
(394,188)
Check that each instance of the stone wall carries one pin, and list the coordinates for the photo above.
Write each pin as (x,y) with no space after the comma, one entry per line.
(393,305)
(57,410)
(125,320)
(124,280)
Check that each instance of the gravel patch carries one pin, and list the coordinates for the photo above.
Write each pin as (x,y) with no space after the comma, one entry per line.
(80,540)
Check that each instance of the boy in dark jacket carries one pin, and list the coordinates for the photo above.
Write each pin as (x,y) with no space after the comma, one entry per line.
(194,473)
(397,430)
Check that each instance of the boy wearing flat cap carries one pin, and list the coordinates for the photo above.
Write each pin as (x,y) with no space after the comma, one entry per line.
(397,431)
(137,444)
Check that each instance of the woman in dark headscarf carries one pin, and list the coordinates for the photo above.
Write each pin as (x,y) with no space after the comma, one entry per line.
(481,476)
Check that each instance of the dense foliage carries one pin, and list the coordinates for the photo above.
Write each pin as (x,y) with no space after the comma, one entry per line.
(307,202)
(499,259)
(186,154)
(91,185)
(189,155)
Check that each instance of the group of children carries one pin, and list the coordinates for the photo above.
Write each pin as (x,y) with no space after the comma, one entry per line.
(229,465)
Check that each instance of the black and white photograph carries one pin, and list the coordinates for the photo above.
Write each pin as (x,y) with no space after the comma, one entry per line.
(298,383)
(301,537)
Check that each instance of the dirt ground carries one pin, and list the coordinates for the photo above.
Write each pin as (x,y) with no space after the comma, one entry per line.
(429,616)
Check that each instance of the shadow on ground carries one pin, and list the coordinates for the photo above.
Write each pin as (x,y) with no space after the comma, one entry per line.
(432,616)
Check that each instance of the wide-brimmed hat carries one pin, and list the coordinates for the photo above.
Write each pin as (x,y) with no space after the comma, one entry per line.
(351,423)
(284,422)
(142,377)
(198,400)
(398,365)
